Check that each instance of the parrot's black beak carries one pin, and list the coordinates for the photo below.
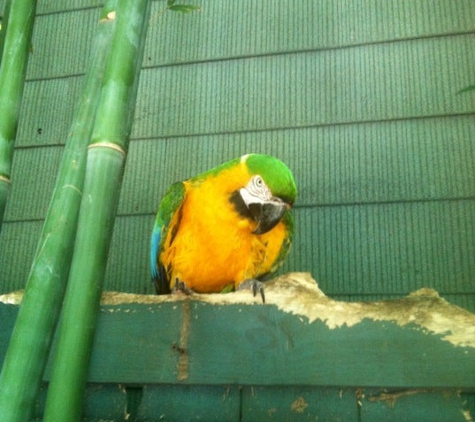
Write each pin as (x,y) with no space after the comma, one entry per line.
(267,214)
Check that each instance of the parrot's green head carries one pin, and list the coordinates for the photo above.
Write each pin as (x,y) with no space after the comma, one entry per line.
(269,192)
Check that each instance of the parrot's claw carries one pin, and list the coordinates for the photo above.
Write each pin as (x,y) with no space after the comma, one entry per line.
(181,287)
(255,286)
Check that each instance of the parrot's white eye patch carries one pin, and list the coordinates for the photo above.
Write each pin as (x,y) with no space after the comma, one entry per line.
(257,190)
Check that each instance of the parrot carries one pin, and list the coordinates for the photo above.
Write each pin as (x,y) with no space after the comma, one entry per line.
(225,229)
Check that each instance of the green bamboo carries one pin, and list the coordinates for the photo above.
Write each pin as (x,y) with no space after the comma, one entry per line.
(3,23)
(105,166)
(16,48)
(31,339)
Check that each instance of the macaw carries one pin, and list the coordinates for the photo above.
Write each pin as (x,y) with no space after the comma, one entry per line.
(224,229)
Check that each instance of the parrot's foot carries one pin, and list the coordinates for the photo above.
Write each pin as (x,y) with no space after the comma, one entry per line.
(181,287)
(255,286)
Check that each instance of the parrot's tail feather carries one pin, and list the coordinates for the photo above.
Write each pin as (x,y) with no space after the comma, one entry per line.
(160,280)
(161,287)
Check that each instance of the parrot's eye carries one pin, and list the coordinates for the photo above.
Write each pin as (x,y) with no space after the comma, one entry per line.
(258,188)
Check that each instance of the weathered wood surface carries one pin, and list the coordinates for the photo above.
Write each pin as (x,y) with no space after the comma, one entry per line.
(299,337)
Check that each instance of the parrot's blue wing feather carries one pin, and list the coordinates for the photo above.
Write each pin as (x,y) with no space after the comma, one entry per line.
(170,205)
(154,247)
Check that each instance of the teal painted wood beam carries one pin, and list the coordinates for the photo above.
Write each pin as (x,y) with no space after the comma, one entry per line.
(300,337)
(266,403)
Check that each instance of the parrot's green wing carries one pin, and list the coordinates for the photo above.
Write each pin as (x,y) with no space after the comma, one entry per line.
(288,220)
(170,205)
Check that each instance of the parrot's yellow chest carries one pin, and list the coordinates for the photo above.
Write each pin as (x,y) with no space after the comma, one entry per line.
(214,246)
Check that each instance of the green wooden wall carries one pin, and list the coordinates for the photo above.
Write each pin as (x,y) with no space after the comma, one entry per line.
(359,98)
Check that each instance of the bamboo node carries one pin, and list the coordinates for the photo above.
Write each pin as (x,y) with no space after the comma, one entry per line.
(109,17)
(5,179)
(107,145)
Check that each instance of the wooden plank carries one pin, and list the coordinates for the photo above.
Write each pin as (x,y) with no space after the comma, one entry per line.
(261,404)
(246,28)
(390,248)
(155,403)
(106,402)
(426,159)
(385,81)
(234,340)
(390,81)
(414,405)
(63,29)
(186,403)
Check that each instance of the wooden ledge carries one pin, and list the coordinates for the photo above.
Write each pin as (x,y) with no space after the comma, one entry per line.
(299,294)
(299,337)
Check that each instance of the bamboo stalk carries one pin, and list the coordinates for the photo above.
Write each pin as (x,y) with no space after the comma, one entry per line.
(31,339)
(16,48)
(6,11)
(105,165)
